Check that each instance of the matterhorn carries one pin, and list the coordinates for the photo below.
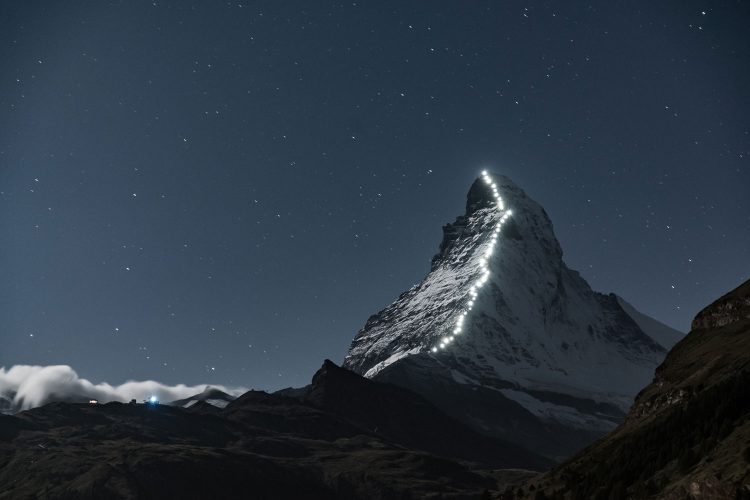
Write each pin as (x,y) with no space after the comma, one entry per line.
(503,336)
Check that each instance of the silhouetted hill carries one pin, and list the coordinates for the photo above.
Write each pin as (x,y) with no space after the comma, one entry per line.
(342,437)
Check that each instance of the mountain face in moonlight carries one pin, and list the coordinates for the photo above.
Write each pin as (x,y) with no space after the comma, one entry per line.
(502,335)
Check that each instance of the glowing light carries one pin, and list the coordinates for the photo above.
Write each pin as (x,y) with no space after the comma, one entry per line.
(483,265)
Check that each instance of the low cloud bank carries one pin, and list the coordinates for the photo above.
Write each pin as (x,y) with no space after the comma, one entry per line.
(29,386)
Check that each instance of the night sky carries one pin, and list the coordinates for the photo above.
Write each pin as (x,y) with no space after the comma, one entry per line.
(224,192)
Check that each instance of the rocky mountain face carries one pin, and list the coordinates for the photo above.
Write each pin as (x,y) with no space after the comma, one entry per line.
(730,308)
(342,437)
(502,335)
(688,433)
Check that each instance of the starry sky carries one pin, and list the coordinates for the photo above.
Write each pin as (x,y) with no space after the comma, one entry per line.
(223,192)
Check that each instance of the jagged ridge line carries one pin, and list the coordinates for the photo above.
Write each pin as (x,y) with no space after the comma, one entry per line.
(474,290)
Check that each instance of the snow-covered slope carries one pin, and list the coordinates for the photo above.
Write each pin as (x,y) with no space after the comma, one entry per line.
(210,395)
(534,332)
(665,335)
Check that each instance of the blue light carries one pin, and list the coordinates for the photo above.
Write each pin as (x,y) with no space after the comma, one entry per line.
(153,400)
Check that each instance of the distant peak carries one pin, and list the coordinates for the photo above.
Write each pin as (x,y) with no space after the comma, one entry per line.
(331,373)
(328,367)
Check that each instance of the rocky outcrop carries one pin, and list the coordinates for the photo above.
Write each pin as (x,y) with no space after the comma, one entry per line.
(731,308)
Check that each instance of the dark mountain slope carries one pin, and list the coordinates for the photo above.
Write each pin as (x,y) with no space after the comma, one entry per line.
(403,417)
(688,434)
(489,412)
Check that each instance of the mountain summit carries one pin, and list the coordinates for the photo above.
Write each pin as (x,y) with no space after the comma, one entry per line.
(500,322)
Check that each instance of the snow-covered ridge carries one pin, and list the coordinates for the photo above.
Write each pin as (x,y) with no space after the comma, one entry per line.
(485,254)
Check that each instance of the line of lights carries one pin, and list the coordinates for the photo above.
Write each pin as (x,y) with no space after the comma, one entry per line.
(458,327)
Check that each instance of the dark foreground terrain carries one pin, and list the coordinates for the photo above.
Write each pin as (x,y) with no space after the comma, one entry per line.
(688,433)
(341,437)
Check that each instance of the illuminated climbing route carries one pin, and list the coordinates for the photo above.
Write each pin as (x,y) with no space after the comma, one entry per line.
(484,277)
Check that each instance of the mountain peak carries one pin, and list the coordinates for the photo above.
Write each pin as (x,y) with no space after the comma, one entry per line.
(527,283)
(329,365)
(529,221)
(479,196)
(332,374)
(500,308)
